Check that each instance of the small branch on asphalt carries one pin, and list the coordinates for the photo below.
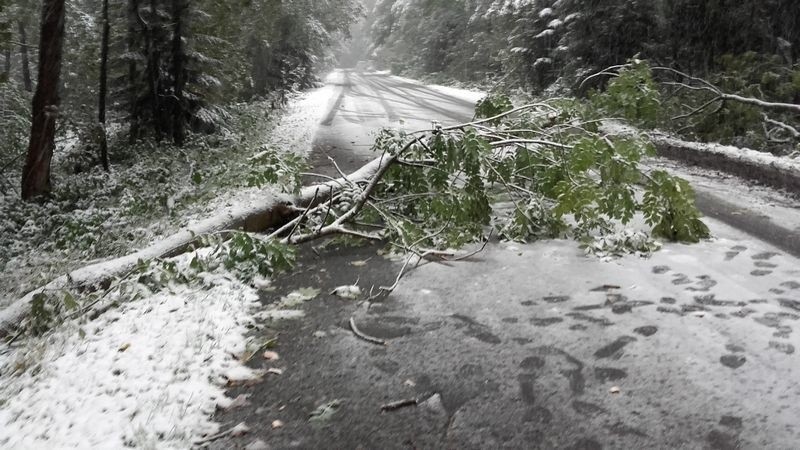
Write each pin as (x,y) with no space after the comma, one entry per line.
(214,437)
(384,289)
(470,255)
(393,406)
(303,216)
(363,336)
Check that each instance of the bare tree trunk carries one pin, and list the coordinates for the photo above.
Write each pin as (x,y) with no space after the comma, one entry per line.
(101,109)
(23,51)
(153,71)
(36,173)
(133,72)
(7,65)
(178,72)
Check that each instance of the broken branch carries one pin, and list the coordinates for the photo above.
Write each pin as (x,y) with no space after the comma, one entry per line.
(363,336)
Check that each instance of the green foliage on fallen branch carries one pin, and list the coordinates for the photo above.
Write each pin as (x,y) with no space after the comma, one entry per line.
(273,168)
(493,105)
(632,95)
(248,256)
(239,255)
(542,170)
(668,206)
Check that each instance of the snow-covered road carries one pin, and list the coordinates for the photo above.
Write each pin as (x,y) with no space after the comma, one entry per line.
(368,102)
(523,346)
(539,346)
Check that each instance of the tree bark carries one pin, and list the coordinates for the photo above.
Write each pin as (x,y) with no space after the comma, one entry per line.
(23,51)
(178,73)
(7,65)
(36,173)
(101,107)
(251,218)
(154,70)
(133,72)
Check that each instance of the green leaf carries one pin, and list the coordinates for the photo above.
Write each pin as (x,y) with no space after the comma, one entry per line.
(69,301)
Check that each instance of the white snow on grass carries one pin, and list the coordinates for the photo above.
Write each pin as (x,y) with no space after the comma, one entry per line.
(148,374)
(293,134)
(780,207)
(151,372)
(744,155)
(296,130)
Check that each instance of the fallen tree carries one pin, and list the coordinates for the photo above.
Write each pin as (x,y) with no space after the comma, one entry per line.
(274,211)
(434,190)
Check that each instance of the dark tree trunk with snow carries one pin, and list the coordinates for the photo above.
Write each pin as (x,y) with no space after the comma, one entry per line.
(133,71)
(178,70)
(101,108)
(6,65)
(36,173)
(153,53)
(23,51)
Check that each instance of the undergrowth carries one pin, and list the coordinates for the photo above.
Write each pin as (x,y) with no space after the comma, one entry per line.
(152,190)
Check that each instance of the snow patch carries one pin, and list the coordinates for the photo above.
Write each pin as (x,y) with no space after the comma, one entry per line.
(148,374)
(734,153)
(467,95)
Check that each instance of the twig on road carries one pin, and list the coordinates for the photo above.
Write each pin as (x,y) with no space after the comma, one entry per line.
(363,336)
(393,406)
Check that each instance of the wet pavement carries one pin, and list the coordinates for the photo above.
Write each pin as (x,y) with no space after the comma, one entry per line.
(530,346)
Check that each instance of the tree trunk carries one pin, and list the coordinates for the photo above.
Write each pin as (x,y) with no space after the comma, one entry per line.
(23,51)
(258,217)
(154,71)
(36,174)
(133,72)
(178,73)
(7,65)
(101,108)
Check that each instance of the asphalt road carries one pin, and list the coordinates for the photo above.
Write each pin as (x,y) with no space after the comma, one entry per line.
(366,104)
(530,346)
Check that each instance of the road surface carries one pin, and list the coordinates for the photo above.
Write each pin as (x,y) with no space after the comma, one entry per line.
(528,346)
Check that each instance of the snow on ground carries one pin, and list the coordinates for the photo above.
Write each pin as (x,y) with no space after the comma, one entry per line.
(293,134)
(468,95)
(463,94)
(779,206)
(733,153)
(147,374)
(150,373)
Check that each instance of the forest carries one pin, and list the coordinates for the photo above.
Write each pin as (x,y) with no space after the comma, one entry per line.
(163,152)
(100,99)
(159,69)
(121,119)
(545,47)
